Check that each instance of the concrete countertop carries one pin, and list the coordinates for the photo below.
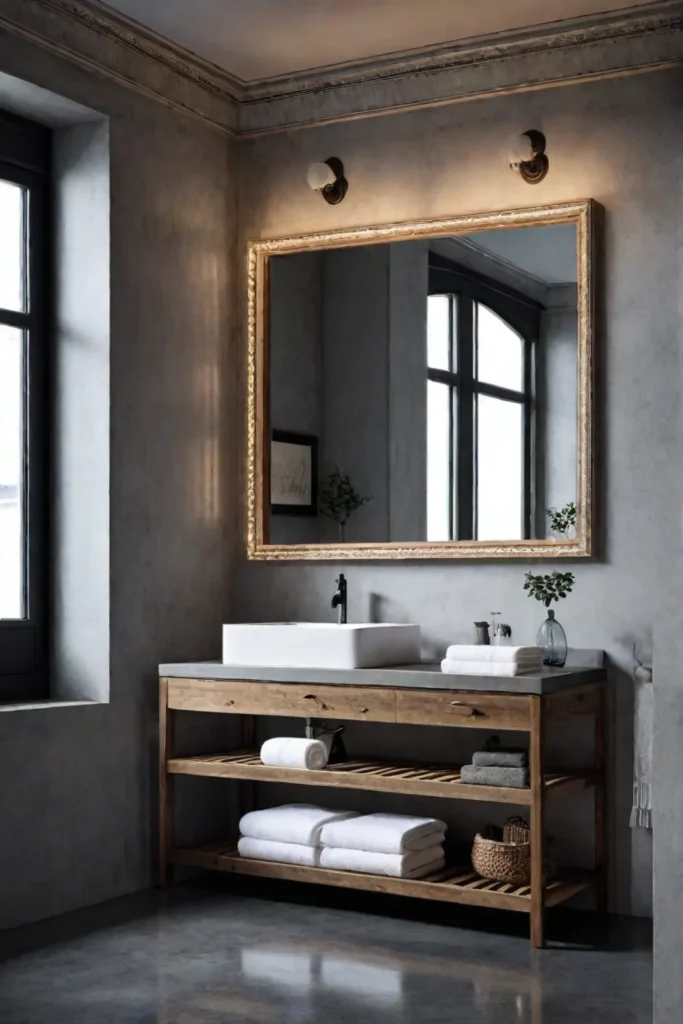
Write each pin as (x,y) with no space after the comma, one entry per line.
(426,675)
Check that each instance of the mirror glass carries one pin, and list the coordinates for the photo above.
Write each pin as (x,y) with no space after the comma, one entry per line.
(424,390)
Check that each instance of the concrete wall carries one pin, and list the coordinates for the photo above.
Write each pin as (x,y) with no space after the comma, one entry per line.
(78,803)
(446,161)
(81,342)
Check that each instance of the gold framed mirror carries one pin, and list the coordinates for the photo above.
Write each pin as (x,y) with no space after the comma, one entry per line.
(423,390)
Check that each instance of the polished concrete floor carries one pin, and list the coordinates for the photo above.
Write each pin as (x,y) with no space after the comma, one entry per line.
(204,955)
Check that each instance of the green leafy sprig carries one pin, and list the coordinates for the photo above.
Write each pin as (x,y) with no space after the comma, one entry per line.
(339,499)
(562,519)
(550,587)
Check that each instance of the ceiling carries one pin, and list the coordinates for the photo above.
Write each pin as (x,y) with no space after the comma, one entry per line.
(547,253)
(255,39)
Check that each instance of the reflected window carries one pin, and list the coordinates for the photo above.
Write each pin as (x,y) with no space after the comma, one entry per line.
(480,407)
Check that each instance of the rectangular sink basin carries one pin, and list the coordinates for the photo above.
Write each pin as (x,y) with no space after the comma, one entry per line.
(320,644)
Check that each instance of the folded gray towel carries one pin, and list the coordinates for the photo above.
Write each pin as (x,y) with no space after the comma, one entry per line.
(513,778)
(500,759)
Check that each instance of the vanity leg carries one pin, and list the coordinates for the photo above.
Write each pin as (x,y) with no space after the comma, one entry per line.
(165,786)
(601,863)
(247,795)
(536,749)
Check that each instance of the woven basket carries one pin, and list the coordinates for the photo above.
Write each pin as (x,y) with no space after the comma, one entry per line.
(509,860)
(501,861)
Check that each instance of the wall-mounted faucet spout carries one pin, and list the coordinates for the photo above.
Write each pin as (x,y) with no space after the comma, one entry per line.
(339,600)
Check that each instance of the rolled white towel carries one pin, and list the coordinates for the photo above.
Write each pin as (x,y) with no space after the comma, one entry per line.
(395,865)
(488,653)
(488,668)
(291,823)
(294,752)
(384,833)
(285,853)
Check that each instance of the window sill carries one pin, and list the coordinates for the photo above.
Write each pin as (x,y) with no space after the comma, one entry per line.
(42,705)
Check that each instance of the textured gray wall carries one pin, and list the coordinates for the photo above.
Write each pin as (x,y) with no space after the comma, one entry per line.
(668,659)
(439,162)
(78,803)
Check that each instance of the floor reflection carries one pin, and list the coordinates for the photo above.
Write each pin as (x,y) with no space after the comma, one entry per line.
(222,958)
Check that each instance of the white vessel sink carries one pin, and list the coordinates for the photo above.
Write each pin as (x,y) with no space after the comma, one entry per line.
(320,645)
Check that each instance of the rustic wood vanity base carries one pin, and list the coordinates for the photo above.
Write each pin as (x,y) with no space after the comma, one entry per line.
(533,713)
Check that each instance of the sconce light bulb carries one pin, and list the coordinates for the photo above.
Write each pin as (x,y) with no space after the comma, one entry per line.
(522,150)
(319,176)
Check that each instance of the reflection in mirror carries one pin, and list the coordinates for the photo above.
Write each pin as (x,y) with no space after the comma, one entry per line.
(433,382)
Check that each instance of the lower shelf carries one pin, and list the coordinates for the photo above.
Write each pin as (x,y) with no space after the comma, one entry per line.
(450,885)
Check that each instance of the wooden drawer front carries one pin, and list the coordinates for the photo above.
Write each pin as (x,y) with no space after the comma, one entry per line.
(457,708)
(351,703)
(582,700)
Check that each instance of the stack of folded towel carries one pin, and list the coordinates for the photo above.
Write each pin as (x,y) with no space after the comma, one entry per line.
(375,844)
(484,660)
(289,834)
(295,752)
(384,844)
(497,766)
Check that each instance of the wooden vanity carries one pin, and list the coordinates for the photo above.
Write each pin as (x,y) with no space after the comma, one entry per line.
(417,696)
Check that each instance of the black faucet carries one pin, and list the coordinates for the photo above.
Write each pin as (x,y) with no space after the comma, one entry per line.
(339,600)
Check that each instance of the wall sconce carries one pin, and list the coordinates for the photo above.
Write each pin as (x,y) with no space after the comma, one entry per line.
(528,157)
(328,179)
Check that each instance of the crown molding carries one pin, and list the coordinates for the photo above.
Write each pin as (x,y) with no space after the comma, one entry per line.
(95,37)
(110,24)
(600,46)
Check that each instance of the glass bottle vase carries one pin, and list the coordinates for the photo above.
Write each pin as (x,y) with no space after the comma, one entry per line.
(553,639)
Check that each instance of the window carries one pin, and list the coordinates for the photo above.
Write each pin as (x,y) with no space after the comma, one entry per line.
(24,164)
(480,344)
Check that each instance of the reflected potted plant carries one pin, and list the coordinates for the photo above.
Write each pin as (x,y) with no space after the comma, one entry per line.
(562,521)
(551,636)
(339,499)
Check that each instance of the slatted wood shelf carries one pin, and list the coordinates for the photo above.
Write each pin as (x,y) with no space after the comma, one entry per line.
(449,885)
(378,776)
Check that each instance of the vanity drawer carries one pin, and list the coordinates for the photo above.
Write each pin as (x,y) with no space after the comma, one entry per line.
(464,709)
(295,700)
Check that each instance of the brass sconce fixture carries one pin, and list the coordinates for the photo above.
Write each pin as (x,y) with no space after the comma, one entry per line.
(528,157)
(328,179)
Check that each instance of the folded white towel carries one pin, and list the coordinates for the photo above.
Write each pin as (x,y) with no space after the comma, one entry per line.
(287,853)
(395,865)
(488,668)
(384,833)
(294,752)
(487,653)
(291,823)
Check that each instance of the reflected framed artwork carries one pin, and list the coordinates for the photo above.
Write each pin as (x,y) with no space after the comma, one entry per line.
(293,474)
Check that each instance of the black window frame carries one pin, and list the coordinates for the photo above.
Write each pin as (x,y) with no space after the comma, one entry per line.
(467,288)
(25,160)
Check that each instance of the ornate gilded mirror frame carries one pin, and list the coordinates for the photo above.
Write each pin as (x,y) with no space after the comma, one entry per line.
(583,214)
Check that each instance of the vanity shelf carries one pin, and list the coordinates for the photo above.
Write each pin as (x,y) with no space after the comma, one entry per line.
(377,776)
(449,885)
(532,705)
